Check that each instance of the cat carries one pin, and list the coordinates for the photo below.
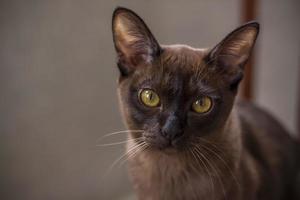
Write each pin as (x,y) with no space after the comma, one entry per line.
(191,139)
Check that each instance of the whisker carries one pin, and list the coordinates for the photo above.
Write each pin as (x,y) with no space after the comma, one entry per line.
(215,168)
(116,143)
(133,153)
(119,132)
(120,158)
(223,161)
(219,145)
(195,154)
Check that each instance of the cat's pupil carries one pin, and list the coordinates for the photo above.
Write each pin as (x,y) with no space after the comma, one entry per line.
(201,102)
(150,96)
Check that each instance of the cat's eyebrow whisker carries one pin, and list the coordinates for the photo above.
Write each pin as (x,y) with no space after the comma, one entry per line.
(119,132)
(121,142)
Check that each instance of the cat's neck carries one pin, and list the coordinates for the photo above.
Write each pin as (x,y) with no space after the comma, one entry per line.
(209,171)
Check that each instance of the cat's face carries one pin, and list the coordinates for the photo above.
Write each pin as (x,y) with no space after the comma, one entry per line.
(176,93)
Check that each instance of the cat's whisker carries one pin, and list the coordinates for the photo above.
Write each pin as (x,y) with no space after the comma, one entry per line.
(222,160)
(120,158)
(197,157)
(117,143)
(141,147)
(134,152)
(213,167)
(119,132)
(133,148)
(220,146)
(194,165)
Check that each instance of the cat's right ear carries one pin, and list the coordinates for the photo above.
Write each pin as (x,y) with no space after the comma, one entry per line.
(134,43)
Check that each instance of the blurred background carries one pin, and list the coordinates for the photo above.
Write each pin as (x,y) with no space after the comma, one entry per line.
(58,84)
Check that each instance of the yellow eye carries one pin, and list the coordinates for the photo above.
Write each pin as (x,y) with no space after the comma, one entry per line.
(202,105)
(149,98)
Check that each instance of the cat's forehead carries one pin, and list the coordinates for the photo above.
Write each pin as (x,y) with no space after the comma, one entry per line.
(179,63)
(182,63)
(183,58)
(180,68)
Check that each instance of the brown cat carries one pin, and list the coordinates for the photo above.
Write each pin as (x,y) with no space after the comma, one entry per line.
(190,140)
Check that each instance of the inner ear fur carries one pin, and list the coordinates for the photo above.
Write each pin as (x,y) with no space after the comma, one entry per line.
(233,52)
(134,42)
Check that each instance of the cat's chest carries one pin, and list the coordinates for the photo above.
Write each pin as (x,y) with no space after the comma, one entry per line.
(169,179)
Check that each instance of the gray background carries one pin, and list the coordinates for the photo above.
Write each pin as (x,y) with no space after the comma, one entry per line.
(58,85)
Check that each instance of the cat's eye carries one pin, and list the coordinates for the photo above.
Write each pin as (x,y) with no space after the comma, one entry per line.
(202,105)
(149,98)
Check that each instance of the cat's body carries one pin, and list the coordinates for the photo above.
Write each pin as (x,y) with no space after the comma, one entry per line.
(195,141)
(263,167)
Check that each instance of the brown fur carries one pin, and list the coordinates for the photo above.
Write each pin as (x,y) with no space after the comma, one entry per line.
(235,151)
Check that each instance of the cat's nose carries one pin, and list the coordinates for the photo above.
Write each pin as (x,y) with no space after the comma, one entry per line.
(171,135)
(172,128)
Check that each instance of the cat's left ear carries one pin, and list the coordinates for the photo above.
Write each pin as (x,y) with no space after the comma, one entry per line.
(134,42)
(232,53)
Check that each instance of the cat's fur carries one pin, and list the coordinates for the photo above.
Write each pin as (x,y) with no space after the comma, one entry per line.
(234,152)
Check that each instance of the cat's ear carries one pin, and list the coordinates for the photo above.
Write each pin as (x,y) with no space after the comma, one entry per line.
(232,53)
(134,42)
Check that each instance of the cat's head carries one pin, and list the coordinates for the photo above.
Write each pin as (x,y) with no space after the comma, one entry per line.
(177,93)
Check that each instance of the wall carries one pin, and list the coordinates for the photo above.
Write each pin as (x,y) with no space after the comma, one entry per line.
(278,60)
